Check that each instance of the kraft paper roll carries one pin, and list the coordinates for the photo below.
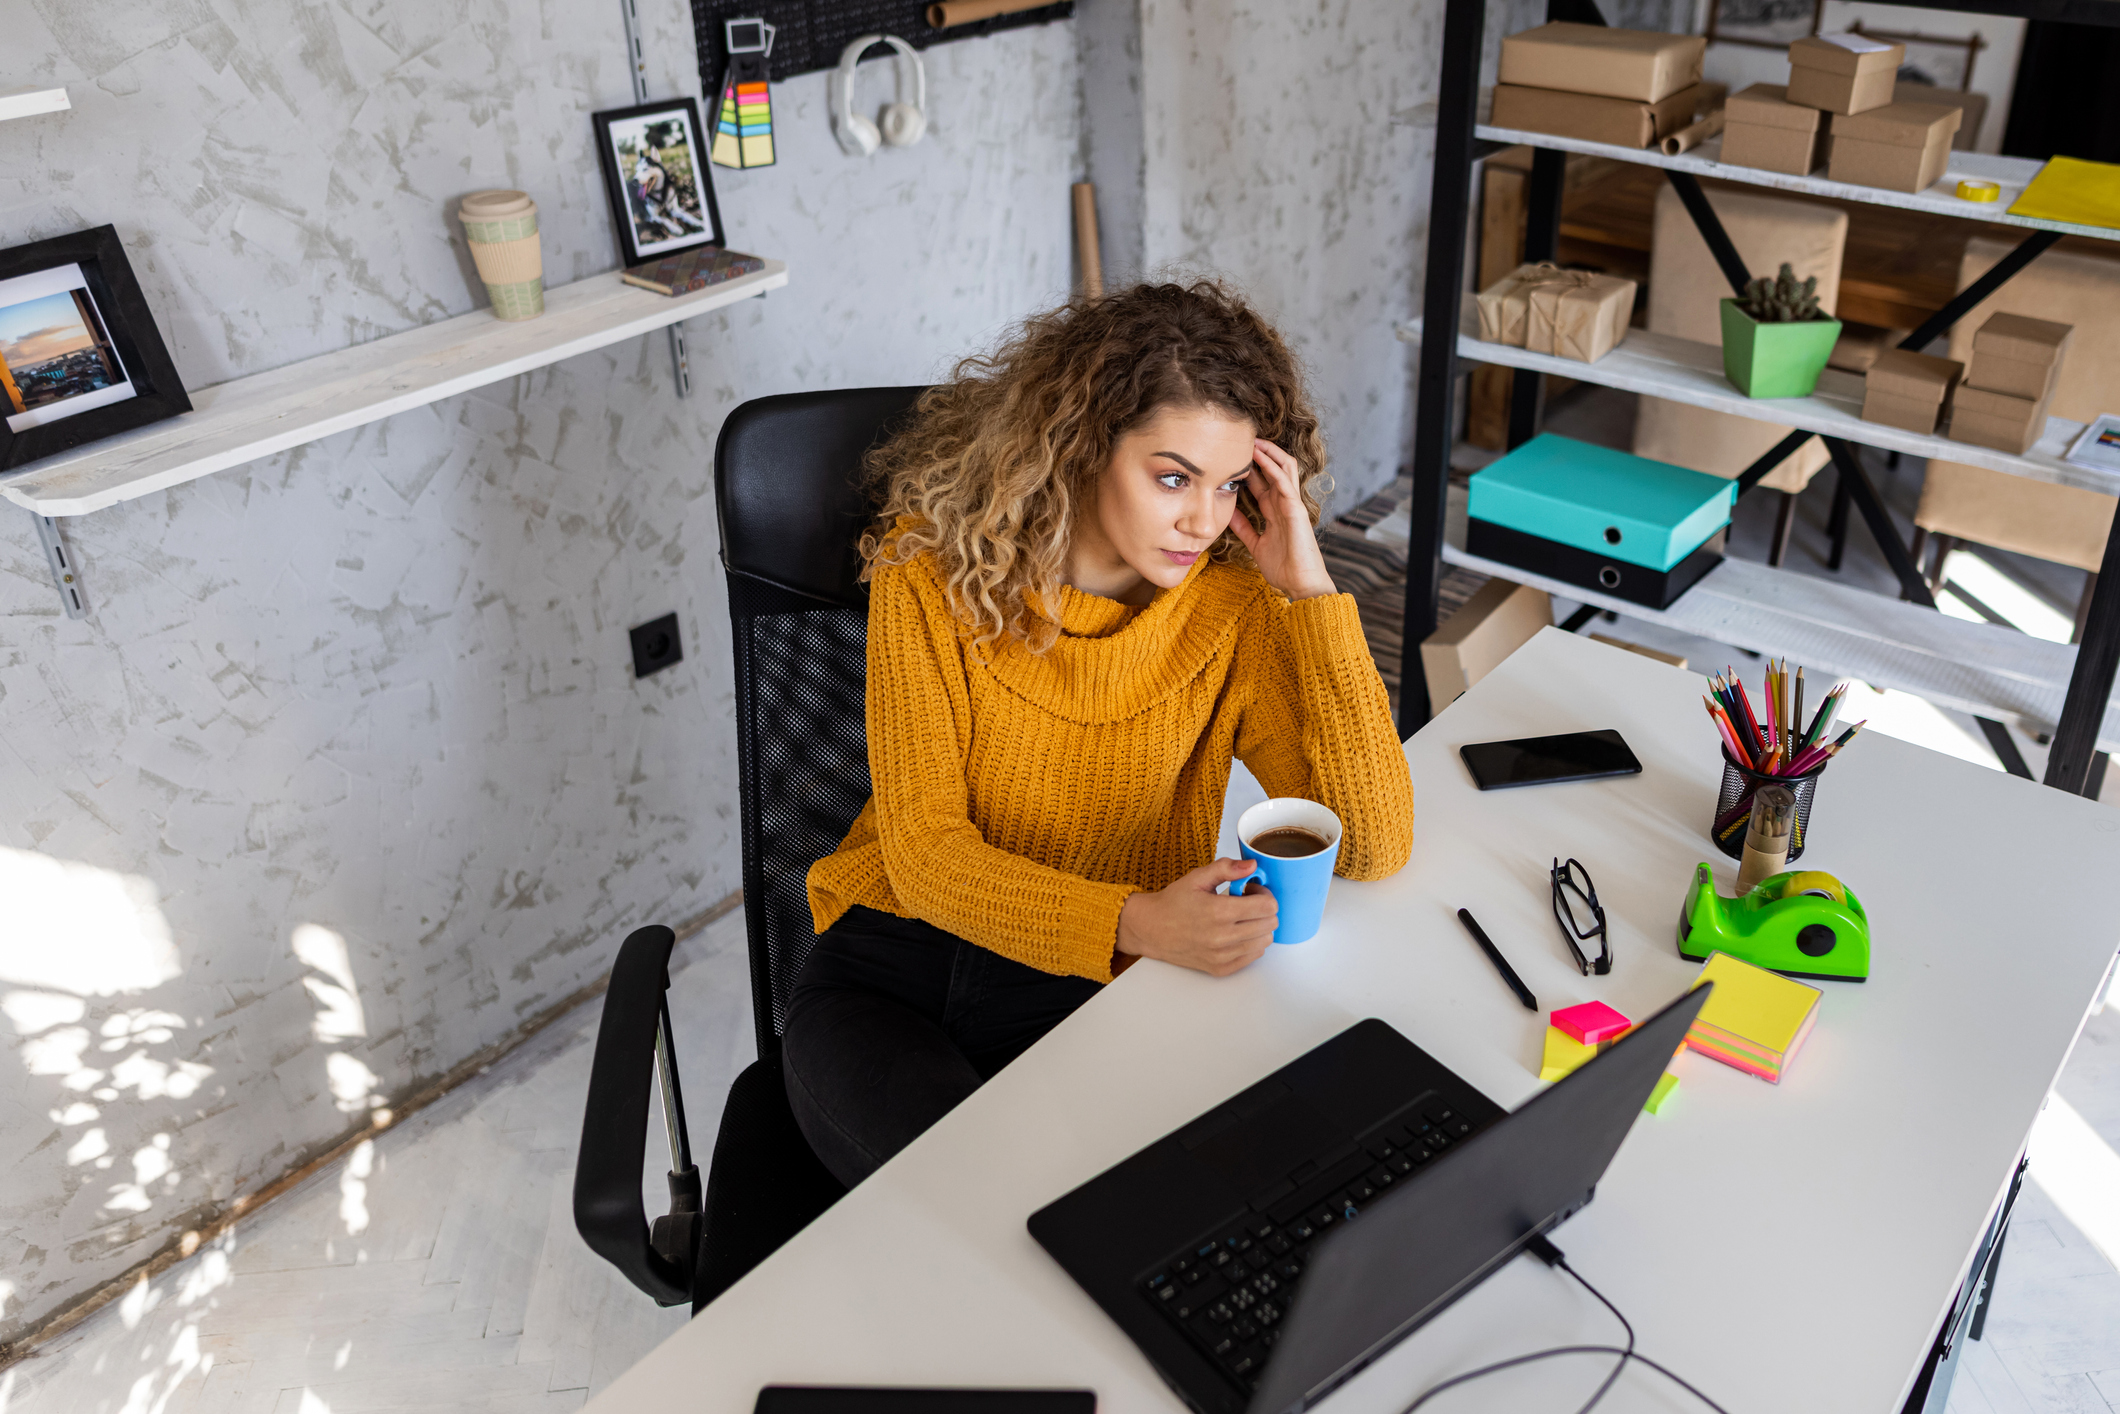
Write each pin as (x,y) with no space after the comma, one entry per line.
(945,13)
(1686,139)
(1086,248)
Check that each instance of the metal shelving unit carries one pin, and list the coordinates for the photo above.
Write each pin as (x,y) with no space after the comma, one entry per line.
(1686,372)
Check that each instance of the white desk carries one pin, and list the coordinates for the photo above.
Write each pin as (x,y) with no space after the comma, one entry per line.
(1787,1248)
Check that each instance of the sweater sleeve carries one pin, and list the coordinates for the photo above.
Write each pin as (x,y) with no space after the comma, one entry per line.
(939,866)
(1319,726)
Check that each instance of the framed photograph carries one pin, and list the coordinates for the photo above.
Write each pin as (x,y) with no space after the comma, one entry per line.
(1762,24)
(80,357)
(655,174)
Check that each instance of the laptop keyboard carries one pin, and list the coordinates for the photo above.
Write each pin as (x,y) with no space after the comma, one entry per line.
(1229,1290)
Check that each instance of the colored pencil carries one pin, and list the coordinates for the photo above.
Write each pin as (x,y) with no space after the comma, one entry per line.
(1796,707)
(1744,700)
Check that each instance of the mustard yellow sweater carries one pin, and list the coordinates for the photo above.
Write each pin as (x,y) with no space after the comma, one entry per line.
(1021,797)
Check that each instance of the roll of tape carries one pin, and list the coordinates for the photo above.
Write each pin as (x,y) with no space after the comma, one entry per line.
(1979,191)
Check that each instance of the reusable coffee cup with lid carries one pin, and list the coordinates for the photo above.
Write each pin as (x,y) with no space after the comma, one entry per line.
(1297,881)
(502,229)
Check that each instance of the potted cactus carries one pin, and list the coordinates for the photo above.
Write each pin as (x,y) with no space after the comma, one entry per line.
(1775,338)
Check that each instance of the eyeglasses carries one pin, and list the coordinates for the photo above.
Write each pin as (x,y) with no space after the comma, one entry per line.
(1574,899)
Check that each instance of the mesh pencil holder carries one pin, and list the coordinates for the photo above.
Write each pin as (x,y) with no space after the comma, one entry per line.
(1733,805)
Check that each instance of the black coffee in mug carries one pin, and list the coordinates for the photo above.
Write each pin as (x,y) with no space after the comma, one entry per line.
(1288,842)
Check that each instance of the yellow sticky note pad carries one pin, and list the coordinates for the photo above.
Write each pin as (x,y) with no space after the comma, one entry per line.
(1665,1084)
(1563,1054)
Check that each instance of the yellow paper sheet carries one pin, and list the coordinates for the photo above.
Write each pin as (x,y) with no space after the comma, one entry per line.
(2070,189)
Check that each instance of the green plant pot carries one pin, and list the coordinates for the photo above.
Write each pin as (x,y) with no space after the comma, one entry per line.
(1775,360)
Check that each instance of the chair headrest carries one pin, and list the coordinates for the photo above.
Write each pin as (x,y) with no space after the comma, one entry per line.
(787,473)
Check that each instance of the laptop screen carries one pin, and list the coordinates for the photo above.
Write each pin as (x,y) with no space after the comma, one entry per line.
(1444,1231)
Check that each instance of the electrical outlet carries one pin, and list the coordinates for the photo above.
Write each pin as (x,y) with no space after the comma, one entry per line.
(657,645)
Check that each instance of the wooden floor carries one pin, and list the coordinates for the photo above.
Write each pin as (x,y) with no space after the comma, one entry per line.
(439,1270)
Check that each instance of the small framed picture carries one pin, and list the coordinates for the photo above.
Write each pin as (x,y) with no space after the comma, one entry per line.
(655,174)
(80,357)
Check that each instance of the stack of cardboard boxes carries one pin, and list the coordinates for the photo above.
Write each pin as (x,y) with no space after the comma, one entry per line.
(1839,108)
(2003,401)
(1630,88)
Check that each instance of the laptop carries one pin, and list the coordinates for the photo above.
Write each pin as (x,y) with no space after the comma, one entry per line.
(1264,1253)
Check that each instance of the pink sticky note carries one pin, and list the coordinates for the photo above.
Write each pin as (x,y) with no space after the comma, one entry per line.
(1591,1023)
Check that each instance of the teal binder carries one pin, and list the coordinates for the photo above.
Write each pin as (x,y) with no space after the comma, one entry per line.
(1614,504)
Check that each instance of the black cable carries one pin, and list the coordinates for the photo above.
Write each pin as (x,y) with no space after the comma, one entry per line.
(1549,1254)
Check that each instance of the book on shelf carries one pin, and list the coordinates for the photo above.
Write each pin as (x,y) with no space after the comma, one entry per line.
(688,270)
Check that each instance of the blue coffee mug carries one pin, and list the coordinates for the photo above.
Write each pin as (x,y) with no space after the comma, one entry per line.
(1298,884)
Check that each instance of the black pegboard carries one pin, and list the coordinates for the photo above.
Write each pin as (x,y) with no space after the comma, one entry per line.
(810,34)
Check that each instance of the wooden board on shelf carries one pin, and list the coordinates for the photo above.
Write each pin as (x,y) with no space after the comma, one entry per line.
(247,418)
(2009,173)
(1688,372)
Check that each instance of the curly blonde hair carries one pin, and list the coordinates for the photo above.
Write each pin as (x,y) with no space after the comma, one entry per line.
(995,464)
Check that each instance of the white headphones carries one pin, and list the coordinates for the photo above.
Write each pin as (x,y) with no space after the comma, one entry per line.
(903,122)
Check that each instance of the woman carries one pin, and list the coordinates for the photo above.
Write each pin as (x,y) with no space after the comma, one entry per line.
(1094,581)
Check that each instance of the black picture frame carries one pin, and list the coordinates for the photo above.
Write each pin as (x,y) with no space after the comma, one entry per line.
(127,328)
(617,126)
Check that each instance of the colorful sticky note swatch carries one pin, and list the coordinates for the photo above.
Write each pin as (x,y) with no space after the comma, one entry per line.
(1563,1054)
(743,126)
(1592,1023)
(1755,1020)
(1665,1084)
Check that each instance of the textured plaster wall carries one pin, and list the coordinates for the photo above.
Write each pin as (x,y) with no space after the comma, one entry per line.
(348,774)
(1273,154)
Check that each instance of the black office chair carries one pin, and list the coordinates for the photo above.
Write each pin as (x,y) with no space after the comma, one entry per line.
(786,484)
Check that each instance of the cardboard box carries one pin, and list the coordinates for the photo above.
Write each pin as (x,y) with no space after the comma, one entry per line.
(1685,288)
(2000,420)
(1498,619)
(1642,65)
(1909,390)
(2070,284)
(1623,122)
(1843,73)
(1584,318)
(1775,149)
(1900,147)
(2019,355)
(1908,413)
(1971,106)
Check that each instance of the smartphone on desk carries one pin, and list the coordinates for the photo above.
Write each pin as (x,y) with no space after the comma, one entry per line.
(846,1399)
(1540,760)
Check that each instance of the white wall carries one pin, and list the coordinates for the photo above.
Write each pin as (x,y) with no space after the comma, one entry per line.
(348,774)
(1271,155)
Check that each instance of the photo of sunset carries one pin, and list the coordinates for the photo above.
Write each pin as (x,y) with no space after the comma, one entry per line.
(51,349)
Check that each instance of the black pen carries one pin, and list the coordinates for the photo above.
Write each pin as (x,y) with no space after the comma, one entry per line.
(1501,964)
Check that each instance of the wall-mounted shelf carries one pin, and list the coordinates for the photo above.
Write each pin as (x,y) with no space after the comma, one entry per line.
(1683,371)
(247,418)
(29,102)
(2009,173)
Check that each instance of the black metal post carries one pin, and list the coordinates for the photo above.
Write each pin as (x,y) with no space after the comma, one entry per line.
(1856,482)
(2090,685)
(1780,452)
(1435,387)
(1711,229)
(1542,241)
(1962,303)
(1837,525)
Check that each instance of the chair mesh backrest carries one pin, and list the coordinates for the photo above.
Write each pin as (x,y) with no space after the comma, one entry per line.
(786,481)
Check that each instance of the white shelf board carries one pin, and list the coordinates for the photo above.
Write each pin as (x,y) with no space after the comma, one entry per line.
(247,418)
(2009,173)
(29,102)
(1687,372)
(1835,629)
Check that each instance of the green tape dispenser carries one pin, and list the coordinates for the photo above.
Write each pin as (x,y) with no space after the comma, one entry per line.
(1801,924)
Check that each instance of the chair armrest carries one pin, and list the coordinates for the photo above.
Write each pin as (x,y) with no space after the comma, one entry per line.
(607,1172)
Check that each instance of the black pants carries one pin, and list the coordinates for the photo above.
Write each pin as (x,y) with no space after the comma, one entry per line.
(894,1021)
